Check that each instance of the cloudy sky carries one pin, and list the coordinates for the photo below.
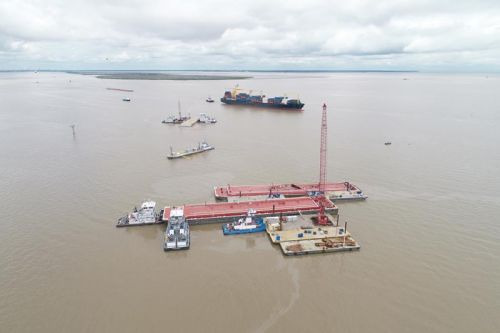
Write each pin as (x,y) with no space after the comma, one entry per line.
(426,35)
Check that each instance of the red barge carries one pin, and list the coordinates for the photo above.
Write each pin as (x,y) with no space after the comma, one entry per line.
(336,191)
(227,211)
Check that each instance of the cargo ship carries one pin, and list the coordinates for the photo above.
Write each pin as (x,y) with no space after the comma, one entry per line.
(235,97)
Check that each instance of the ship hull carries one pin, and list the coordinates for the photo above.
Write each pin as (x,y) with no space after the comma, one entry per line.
(298,106)
(179,155)
(259,227)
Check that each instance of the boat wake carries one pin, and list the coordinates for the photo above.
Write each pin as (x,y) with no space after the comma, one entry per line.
(294,296)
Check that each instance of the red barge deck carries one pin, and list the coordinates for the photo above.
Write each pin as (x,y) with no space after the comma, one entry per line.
(288,190)
(227,211)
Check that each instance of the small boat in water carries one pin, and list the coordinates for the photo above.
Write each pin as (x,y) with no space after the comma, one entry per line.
(246,225)
(126,99)
(176,119)
(142,216)
(202,147)
(388,143)
(206,119)
(210,100)
(177,236)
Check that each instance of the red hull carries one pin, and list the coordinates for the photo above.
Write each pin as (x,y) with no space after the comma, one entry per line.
(222,192)
(214,211)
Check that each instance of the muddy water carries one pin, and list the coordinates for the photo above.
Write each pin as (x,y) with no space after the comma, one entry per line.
(429,232)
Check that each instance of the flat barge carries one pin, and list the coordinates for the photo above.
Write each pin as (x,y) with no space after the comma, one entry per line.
(335,191)
(202,147)
(230,211)
(297,236)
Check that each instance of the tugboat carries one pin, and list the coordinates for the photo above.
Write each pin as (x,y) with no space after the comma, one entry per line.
(142,216)
(210,100)
(202,147)
(247,225)
(206,119)
(177,236)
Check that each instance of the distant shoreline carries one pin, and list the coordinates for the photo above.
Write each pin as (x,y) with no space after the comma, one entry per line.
(159,76)
(153,71)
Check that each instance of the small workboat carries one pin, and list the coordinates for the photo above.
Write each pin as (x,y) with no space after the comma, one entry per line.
(388,143)
(176,119)
(210,100)
(126,99)
(246,225)
(143,216)
(206,119)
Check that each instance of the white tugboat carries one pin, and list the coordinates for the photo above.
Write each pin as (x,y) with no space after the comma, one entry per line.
(177,236)
(142,216)
(206,119)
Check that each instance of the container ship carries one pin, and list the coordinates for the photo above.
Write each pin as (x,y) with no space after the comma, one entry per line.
(247,99)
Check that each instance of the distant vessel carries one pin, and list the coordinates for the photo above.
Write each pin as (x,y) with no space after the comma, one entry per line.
(177,234)
(235,97)
(126,99)
(247,225)
(210,100)
(206,119)
(387,143)
(119,89)
(202,147)
(142,216)
(176,119)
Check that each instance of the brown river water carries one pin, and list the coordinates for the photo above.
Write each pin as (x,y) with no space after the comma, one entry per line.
(429,232)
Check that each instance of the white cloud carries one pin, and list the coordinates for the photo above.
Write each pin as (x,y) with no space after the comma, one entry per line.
(395,34)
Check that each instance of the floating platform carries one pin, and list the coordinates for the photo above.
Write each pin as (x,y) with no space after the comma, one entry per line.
(312,246)
(336,191)
(300,236)
(189,122)
(229,211)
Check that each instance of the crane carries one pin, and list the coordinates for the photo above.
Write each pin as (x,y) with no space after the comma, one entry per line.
(322,218)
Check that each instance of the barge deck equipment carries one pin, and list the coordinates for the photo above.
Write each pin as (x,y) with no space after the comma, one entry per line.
(335,191)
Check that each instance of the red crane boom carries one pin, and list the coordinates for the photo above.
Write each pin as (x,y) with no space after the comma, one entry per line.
(322,156)
(322,219)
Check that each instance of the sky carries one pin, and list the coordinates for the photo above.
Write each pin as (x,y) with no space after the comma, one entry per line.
(422,35)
